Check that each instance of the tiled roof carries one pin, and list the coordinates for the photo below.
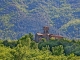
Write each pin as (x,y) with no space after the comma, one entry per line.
(56,36)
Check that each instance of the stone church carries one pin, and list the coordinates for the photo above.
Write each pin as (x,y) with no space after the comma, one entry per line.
(46,35)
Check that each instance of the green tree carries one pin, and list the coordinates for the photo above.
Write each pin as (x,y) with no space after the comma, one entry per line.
(34,45)
(43,40)
(5,53)
(25,40)
(57,50)
(31,36)
(19,52)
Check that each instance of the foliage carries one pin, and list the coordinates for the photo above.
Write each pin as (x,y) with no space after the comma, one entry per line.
(10,43)
(26,49)
(31,36)
(5,53)
(57,50)
(25,40)
(18,17)
(43,40)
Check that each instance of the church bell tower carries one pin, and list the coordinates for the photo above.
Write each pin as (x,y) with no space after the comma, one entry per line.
(46,30)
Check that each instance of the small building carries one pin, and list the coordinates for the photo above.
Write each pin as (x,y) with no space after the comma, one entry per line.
(46,35)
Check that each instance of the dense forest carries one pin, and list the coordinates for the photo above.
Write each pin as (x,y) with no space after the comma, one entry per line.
(26,48)
(19,17)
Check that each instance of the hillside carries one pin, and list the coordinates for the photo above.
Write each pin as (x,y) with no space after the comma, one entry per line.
(18,17)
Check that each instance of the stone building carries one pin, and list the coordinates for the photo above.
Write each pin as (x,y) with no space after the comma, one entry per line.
(46,35)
